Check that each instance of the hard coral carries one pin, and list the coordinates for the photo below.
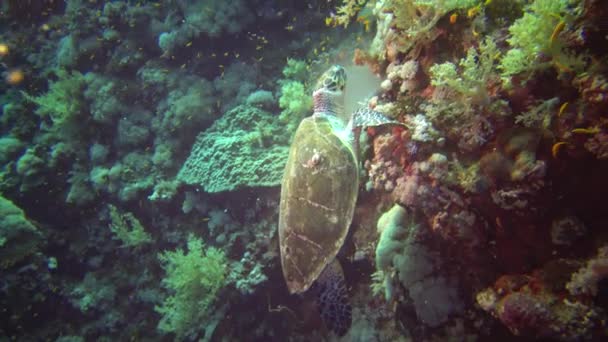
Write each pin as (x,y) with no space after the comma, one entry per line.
(586,280)
(515,157)
(534,306)
(598,145)
(524,314)
(232,153)
(19,238)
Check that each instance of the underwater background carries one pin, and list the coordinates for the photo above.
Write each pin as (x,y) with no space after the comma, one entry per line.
(143,147)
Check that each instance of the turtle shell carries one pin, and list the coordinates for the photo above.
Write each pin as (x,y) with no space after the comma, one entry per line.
(318,196)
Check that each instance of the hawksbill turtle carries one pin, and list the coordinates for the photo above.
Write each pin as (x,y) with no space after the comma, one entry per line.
(318,196)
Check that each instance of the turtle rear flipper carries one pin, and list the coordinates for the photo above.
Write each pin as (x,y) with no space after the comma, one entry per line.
(332,299)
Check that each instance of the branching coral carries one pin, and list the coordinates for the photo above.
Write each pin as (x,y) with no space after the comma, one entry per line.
(63,100)
(193,279)
(539,115)
(476,69)
(345,12)
(127,228)
(535,34)
(462,94)
(295,99)
(415,19)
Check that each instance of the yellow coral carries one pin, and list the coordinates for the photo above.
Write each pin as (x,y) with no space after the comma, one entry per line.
(344,13)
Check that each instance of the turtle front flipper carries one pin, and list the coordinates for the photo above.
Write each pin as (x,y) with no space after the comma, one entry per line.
(365,117)
(332,299)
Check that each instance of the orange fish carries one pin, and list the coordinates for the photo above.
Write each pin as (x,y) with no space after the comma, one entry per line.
(453,18)
(4,50)
(14,77)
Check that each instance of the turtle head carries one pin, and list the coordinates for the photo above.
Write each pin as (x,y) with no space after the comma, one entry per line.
(329,93)
(334,79)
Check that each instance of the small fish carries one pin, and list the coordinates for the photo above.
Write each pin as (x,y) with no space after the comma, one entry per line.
(562,109)
(588,130)
(556,31)
(473,11)
(453,18)
(4,50)
(14,76)
(561,67)
(556,148)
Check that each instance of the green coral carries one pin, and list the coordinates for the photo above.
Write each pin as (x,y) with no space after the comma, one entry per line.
(295,100)
(127,228)
(348,10)
(247,147)
(467,177)
(94,292)
(63,101)
(464,88)
(193,279)
(30,166)
(10,147)
(448,5)
(415,19)
(531,36)
(538,115)
(19,238)
(295,69)
(475,70)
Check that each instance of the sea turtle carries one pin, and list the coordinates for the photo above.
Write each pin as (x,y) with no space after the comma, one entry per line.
(318,195)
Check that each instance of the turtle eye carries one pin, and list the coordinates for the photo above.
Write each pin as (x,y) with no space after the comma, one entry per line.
(340,78)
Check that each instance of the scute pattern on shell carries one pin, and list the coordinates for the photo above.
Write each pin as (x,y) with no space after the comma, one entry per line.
(318,197)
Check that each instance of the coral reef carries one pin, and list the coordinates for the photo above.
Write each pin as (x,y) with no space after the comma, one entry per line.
(143,143)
